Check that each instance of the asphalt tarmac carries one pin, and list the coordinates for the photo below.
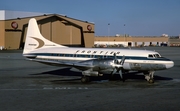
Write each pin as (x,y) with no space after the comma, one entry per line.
(31,86)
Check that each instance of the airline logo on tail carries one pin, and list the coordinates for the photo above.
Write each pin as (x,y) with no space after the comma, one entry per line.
(41,43)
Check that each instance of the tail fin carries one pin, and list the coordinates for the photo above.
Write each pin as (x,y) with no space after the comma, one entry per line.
(34,39)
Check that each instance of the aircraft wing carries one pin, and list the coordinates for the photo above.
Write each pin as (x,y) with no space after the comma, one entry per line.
(64,64)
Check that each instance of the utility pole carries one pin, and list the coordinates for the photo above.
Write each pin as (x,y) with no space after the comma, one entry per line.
(124,34)
(108,33)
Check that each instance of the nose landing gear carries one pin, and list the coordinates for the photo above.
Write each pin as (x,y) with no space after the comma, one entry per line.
(149,76)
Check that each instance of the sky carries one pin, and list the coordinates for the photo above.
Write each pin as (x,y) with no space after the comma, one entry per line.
(132,17)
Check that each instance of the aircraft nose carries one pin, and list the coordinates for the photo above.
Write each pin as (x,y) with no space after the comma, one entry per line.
(169,64)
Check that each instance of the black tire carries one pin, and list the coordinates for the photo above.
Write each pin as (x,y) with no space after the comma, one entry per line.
(151,81)
(84,79)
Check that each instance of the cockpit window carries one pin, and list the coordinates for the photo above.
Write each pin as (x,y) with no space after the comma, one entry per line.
(154,55)
(157,55)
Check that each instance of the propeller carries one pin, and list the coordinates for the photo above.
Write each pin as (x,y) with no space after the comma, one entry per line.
(118,65)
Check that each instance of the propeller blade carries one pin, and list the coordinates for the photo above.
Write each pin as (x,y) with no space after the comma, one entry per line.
(119,66)
(122,60)
(120,73)
(114,71)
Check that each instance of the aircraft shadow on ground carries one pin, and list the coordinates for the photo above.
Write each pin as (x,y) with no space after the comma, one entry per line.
(68,72)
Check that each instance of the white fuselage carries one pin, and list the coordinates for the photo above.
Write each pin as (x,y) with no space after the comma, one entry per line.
(135,59)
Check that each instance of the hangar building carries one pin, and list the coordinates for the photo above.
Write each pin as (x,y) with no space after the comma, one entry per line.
(57,28)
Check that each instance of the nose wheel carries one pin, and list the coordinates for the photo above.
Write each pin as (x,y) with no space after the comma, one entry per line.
(149,76)
(151,81)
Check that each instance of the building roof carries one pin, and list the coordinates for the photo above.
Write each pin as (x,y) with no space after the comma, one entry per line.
(6,14)
(9,15)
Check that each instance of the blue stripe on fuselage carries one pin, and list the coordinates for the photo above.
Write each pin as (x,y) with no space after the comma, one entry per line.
(96,56)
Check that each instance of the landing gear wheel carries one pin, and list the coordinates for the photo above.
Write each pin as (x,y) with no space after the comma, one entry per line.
(149,76)
(151,80)
(85,79)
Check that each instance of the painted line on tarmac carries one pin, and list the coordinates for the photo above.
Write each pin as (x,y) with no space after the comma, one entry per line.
(49,88)
(64,88)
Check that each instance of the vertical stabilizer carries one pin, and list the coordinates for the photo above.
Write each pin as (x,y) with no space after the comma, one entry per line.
(34,39)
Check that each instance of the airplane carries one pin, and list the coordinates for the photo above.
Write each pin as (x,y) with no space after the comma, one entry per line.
(92,61)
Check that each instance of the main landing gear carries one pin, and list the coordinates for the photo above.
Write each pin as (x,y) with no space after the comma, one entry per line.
(149,76)
(85,79)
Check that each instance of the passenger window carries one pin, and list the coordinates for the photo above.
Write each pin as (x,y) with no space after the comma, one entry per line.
(150,55)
